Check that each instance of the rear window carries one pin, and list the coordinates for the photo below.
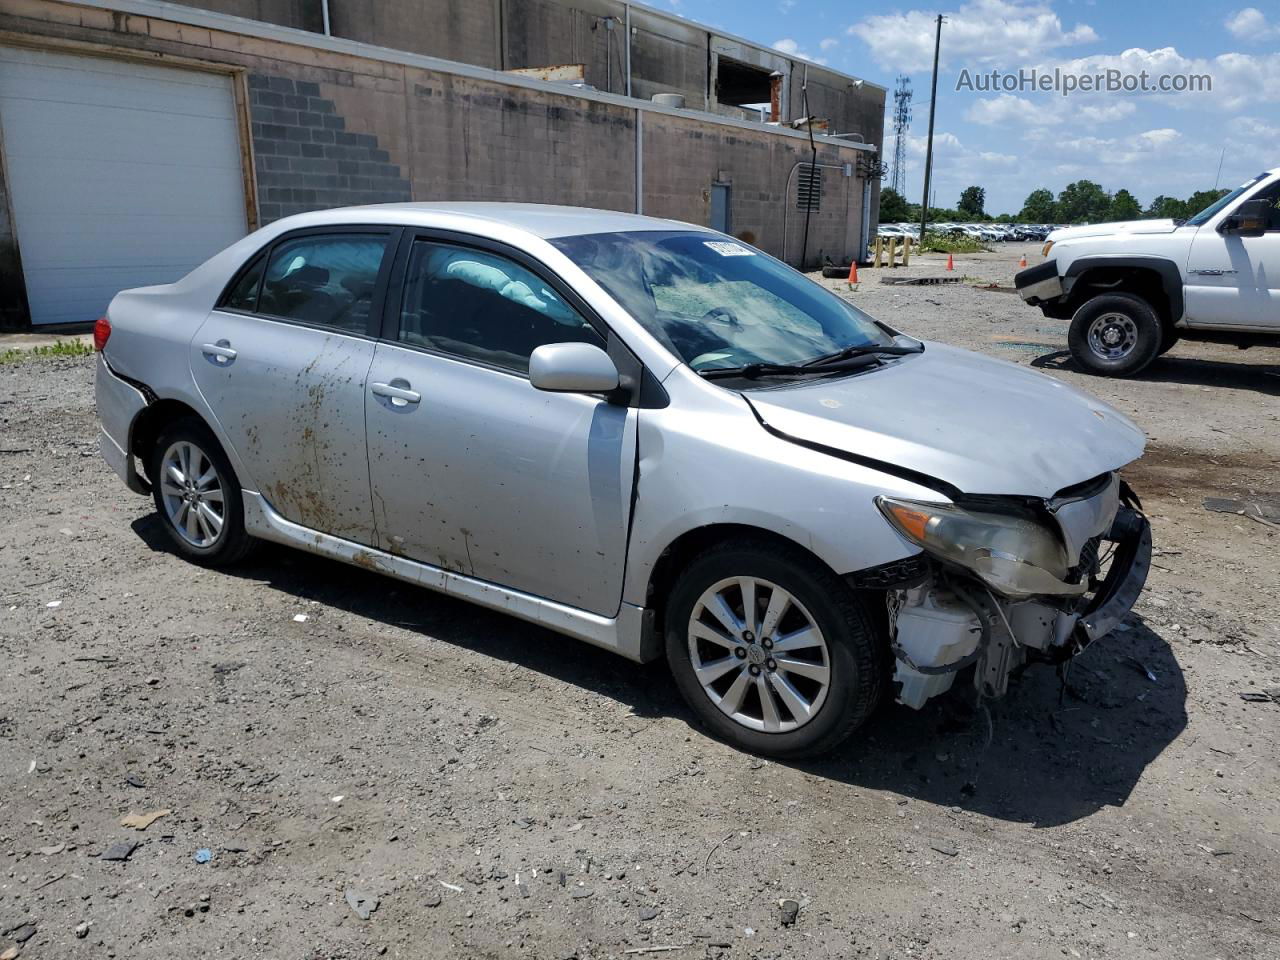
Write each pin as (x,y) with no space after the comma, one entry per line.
(324,279)
(244,295)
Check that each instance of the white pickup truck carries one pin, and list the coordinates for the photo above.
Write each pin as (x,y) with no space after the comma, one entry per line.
(1132,290)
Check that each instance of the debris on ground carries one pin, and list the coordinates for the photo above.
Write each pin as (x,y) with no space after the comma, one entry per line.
(362,902)
(788,910)
(119,851)
(140,821)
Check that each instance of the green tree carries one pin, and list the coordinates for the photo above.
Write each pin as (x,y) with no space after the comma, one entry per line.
(1201,199)
(893,206)
(972,201)
(1124,206)
(1166,208)
(1039,207)
(1083,202)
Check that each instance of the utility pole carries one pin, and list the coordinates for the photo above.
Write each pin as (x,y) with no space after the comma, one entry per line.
(928,153)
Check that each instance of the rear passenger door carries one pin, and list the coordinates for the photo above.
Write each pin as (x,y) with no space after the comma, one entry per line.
(473,469)
(282,363)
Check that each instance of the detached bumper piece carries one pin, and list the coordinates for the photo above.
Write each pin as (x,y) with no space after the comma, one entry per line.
(1039,283)
(1131,532)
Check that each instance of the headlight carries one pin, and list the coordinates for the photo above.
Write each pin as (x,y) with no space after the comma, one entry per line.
(1014,556)
(1044,251)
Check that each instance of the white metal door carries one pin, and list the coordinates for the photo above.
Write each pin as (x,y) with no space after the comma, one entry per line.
(120,175)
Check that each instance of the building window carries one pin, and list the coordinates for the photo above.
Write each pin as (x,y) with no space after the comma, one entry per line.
(809,188)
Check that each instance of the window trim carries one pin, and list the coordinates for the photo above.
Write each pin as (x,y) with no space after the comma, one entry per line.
(375,322)
(394,304)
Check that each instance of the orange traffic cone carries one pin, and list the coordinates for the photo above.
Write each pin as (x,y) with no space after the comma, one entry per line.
(1023,261)
(853,274)
(951,262)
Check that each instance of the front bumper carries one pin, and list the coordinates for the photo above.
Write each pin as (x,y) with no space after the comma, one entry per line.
(1131,533)
(119,404)
(1039,283)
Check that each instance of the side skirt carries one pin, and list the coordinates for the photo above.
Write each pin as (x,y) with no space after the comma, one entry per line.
(623,634)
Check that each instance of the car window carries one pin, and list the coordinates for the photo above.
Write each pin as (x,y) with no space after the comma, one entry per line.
(327,280)
(483,307)
(1272,196)
(244,295)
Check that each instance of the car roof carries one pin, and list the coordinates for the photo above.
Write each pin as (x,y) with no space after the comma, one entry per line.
(539,219)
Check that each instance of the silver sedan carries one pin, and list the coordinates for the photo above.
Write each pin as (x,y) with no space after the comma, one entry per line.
(640,433)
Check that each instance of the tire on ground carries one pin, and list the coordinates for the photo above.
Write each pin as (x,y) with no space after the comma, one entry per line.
(1146,325)
(234,543)
(858,654)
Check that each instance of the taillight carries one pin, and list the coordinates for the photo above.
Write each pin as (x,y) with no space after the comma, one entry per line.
(101,331)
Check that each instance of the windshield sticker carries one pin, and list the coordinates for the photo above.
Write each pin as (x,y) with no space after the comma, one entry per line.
(728,249)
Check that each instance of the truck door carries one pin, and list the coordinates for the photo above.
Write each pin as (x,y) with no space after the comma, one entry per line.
(1234,281)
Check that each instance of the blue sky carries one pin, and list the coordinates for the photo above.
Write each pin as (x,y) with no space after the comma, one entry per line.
(1012,143)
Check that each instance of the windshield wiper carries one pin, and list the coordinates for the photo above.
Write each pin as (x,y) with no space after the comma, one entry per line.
(751,371)
(861,350)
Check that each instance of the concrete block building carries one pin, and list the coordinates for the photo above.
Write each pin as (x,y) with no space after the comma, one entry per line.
(138,137)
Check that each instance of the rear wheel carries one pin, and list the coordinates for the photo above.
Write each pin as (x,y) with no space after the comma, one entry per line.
(774,652)
(1115,335)
(197,495)
(1169,338)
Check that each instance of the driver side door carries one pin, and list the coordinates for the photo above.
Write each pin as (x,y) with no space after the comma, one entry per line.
(1234,281)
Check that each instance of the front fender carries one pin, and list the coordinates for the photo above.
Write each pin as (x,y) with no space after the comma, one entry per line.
(1169,272)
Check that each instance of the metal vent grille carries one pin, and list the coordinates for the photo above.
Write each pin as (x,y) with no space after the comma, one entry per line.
(809,188)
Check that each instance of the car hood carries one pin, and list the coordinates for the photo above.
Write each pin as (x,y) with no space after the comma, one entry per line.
(1107,229)
(981,425)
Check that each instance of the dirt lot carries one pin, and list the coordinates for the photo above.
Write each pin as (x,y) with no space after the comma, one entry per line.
(501,791)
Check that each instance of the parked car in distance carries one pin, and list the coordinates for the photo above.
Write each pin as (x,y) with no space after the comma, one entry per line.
(1132,290)
(637,432)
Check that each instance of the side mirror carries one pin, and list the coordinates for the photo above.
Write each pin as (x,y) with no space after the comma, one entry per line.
(1249,219)
(572,368)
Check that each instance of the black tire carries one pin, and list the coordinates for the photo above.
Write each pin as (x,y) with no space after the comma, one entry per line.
(231,543)
(857,656)
(1169,338)
(1130,319)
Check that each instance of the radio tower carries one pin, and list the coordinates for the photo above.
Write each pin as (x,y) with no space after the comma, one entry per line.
(901,121)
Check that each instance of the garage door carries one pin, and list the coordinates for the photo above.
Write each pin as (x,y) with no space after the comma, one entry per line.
(120,175)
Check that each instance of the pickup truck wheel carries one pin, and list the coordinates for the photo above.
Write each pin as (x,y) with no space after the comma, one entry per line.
(1169,338)
(776,654)
(197,495)
(1115,334)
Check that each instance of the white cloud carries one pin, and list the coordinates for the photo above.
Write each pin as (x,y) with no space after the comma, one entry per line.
(828,43)
(1250,24)
(1007,109)
(981,31)
(1237,78)
(792,49)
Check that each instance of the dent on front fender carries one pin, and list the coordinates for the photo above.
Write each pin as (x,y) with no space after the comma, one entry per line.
(724,468)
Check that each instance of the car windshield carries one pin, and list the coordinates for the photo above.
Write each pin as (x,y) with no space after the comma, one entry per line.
(1205,215)
(717,303)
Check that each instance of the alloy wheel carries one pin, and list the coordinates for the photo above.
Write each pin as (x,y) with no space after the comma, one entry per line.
(759,654)
(192,493)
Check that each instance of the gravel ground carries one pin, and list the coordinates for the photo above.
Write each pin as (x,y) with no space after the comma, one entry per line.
(335,740)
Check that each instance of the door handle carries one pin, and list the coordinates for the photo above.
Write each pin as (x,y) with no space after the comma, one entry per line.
(219,352)
(394,391)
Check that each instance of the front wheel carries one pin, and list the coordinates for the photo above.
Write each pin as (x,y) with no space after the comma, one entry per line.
(775,653)
(1115,335)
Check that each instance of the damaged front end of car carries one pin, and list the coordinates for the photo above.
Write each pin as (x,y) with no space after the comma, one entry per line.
(1005,581)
